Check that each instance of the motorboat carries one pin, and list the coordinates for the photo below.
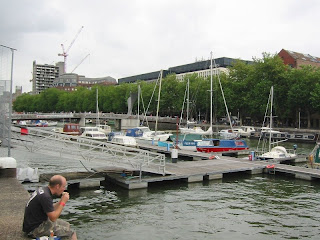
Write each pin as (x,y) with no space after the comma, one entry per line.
(144,133)
(245,131)
(104,128)
(94,135)
(124,140)
(69,129)
(139,132)
(88,129)
(120,139)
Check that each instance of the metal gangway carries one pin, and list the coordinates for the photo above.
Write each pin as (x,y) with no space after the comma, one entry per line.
(77,147)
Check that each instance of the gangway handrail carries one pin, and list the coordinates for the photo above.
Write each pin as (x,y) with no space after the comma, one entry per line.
(88,149)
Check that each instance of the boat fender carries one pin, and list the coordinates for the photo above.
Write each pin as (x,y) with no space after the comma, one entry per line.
(270,166)
(250,157)
(212,157)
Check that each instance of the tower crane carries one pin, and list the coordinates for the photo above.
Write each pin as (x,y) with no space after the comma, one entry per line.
(65,52)
(80,63)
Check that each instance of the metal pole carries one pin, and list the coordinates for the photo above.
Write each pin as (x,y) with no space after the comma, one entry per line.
(211,89)
(138,113)
(97,108)
(158,106)
(271,120)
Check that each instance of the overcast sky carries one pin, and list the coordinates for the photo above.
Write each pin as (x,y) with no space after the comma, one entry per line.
(130,37)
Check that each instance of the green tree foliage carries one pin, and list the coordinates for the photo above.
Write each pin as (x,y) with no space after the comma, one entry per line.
(246,88)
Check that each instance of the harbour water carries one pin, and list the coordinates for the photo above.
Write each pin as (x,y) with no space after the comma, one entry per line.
(236,207)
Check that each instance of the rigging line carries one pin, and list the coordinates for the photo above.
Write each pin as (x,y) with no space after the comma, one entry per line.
(224,99)
(192,100)
(144,109)
(184,99)
(154,89)
(264,120)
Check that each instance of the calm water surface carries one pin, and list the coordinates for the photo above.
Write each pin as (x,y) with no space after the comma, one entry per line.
(259,207)
(237,207)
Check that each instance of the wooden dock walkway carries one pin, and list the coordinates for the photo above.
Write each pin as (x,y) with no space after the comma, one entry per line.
(197,171)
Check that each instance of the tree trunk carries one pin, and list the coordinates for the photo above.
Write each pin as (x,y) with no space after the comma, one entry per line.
(309,119)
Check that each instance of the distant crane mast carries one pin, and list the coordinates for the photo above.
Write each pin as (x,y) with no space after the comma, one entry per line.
(80,63)
(65,53)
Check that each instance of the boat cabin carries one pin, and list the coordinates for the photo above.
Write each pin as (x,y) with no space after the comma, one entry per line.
(94,135)
(138,132)
(71,128)
(88,129)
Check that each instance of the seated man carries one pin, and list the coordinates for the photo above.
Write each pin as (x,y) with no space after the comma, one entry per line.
(41,215)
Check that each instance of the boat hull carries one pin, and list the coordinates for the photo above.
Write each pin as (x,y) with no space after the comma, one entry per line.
(220,149)
(217,145)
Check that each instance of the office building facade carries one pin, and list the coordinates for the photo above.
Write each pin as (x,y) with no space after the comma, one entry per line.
(201,68)
(43,76)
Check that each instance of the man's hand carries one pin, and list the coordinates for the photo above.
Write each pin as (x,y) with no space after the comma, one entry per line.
(65,197)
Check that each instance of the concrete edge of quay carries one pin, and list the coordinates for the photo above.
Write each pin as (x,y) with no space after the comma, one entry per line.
(13,199)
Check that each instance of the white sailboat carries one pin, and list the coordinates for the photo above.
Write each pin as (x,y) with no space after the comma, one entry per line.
(104,128)
(143,133)
(159,136)
(93,132)
(277,152)
(189,129)
(220,145)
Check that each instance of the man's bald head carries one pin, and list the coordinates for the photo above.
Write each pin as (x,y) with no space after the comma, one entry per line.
(56,180)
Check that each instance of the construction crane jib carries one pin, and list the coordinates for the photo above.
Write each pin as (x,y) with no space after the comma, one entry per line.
(65,52)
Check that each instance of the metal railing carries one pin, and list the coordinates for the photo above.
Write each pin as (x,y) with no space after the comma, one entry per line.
(83,148)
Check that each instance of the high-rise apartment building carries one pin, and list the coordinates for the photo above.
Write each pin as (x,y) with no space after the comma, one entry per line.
(43,76)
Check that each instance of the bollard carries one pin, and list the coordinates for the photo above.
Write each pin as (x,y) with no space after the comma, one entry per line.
(168,146)
(252,156)
(8,167)
(174,155)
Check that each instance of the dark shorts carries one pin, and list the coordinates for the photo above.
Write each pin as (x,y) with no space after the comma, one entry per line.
(60,228)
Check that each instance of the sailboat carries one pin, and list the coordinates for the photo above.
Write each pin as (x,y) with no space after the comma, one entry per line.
(189,129)
(159,135)
(144,133)
(220,145)
(93,132)
(277,152)
(106,129)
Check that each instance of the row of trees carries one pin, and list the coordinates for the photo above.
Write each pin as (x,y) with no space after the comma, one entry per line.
(246,89)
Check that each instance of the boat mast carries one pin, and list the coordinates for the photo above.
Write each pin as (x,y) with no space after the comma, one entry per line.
(211,134)
(184,100)
(188,101)
(138,113)
(271,106)
(158,106)
(97,108)
(224,99)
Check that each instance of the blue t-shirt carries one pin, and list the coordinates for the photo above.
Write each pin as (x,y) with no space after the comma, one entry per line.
(39,204)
